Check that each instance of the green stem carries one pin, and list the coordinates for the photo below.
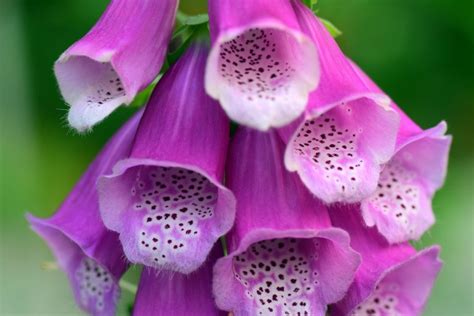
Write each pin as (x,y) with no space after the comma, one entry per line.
(224,245)
(127,286)
(181,17)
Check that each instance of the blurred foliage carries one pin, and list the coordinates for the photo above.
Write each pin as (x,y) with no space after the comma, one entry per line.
(419,51)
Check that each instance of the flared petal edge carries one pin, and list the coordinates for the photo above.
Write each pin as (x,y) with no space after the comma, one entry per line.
(401,206)
(259,86)
(403,289)
(338,150)
(95,287)
(247,282)
(168,215)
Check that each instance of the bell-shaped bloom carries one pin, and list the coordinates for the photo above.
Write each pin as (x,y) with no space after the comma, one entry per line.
(162,293)
(284,256)
(261,67)
(401,206)
(166,199)
(121,55)
(348,130)
(391,280)
(91,256)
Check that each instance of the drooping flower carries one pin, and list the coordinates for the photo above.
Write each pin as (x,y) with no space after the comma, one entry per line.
(284,257)
(392,279)
(120,55)
(347,132)
(163,293)
(166,199)
(401,206)
(258,67)
(90,255)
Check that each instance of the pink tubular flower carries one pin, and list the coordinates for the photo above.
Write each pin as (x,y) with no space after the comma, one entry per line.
(401,206)
(284,257)
(166,199)
(391,280)
(169,293)
(121,55)
(348,130)
(258,67)
(91,255)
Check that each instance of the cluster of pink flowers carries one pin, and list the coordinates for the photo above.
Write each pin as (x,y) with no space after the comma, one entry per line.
(316,195)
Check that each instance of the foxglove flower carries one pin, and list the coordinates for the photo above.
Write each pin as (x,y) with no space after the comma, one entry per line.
(91,255)
(261,67)
(166,199)
(166,292)
(348,131)
(285,258)
(401,206)
(391,280)
(120,55)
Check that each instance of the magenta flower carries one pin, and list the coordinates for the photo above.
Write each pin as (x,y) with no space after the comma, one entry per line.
(284,257)
(91,255)
(166,199)
(121,55)
(164,293)
(401,206)
(347,132)
(392,280)
(314,217)
(261,67)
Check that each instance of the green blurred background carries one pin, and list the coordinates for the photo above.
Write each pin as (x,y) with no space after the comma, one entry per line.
(420,51)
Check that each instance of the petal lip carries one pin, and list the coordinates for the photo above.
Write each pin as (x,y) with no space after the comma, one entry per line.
(226,201)
(122,166)
(114,42)
(225,263)
(437,133)
(346,306)
(231,33)
(68,253)
(381,157)
(383,264)
(214,87)
(379,98)
(39,225)
(424,154)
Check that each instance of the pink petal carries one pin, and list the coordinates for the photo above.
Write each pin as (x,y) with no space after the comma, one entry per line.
(258,67)
(283,254)
(119,56)
(166,199)
(348,130)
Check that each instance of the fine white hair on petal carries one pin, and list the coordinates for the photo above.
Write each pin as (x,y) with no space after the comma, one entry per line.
(92,89)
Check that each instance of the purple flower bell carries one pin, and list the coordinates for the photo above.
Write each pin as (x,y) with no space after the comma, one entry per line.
(401,205)
(284,256)
(392,279)
(258,67)
(91,255)
(166,199)
(347,132)
(118,57)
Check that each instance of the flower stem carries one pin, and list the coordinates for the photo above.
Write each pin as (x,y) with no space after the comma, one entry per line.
(127,286)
